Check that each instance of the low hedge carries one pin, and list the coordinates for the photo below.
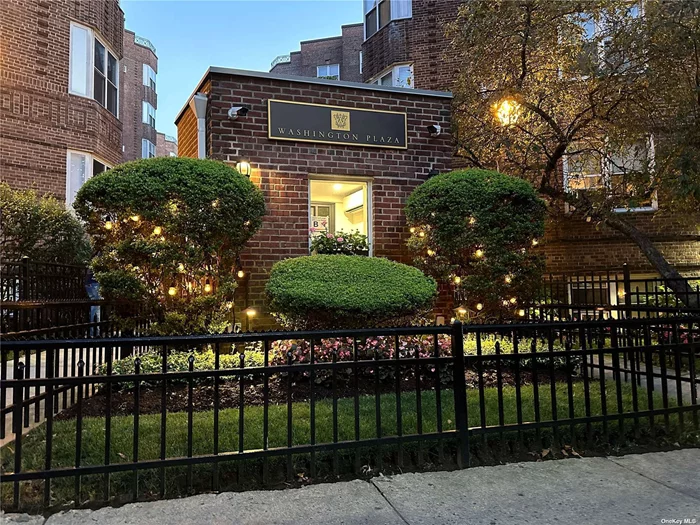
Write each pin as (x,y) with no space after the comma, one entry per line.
(343,291)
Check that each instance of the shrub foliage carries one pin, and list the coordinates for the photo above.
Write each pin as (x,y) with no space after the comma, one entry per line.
(169,231)
(476,229)
(40,228)
(345,291)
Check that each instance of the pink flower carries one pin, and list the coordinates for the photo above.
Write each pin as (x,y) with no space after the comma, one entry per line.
(329,236)
(339,239)
(312,230)
(324,223)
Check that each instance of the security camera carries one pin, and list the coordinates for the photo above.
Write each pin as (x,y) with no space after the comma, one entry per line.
(434,130)
(237,111)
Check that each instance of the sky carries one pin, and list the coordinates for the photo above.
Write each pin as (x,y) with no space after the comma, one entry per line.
(191,35)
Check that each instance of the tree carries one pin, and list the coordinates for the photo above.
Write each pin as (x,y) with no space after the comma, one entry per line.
(544,82)
(475,228)
(168,232)
(40,228)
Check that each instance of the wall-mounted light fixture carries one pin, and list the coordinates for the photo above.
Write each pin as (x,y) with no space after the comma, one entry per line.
(433,172)
(243,168)
(237,111)
(434,130)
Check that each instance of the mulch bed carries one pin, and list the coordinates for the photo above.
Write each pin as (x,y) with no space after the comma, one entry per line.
(229,393)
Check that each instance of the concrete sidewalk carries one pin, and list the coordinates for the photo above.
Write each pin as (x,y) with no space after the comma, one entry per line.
(636,490)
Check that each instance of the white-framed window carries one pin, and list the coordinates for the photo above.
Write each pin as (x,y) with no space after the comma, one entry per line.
(149,114)
(149,77)
(148,149)
(619,171)
(93,68)
(378,13)
(396,76)
(340,204)
(81,166)
(329,71)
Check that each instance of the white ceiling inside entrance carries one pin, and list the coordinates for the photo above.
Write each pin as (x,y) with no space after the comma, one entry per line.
(333,191)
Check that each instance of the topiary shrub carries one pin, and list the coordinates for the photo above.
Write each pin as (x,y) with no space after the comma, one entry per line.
(345,291)
(40,228)
(476,229)
(169,231)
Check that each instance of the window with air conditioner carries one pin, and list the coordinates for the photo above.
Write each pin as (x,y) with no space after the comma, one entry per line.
(93,68)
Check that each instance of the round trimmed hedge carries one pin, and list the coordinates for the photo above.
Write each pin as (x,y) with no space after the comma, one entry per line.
(345,291)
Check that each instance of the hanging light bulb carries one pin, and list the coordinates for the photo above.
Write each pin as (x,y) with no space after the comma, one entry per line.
(472,221)
(180,267)
(207,286)
(508,279)
(479,253)
(431,252)
(241,274)
(535,242)
(229,305)
(521,313)
(457,279)
(157,230)
(172,291)
(135,218)
(215,203)
(108,225)
(505,302)
(413,229)
(421,234)
(479,306)
(513,300)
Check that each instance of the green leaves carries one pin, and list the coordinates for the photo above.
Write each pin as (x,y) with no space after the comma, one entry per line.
(40,228)
(169,231)
(476,228)
(338,291)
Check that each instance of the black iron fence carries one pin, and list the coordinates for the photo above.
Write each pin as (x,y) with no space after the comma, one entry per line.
(27,280)
(616,294)
(189,414)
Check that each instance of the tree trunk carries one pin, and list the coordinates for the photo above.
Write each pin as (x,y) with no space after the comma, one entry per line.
(674,280)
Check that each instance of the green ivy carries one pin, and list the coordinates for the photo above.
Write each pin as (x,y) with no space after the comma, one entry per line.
(343,291)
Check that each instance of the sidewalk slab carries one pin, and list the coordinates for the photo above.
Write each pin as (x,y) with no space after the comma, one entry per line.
(591,491)
(348,503)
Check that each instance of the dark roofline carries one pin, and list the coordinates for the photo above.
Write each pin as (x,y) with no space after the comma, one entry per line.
(310,80)
(320,39)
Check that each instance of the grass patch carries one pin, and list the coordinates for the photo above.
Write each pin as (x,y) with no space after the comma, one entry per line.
(247,474)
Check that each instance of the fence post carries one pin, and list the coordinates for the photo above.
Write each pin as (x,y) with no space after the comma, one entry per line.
(460,394)
(628,289)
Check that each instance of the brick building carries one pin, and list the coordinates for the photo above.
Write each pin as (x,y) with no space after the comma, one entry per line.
(405,44)
(60,68)
(166,146)
(356,178)
(336,57)
(137,81)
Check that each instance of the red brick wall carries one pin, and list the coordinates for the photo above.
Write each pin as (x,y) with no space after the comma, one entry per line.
(343,50)
(282,168)
(40,120)
(132,95)
(165,147)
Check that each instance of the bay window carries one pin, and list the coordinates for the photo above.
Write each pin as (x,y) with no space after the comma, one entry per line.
(397,76)
(379,13)
(149,114)
(149,77)
(81,167)
(148,149)
(93,68)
